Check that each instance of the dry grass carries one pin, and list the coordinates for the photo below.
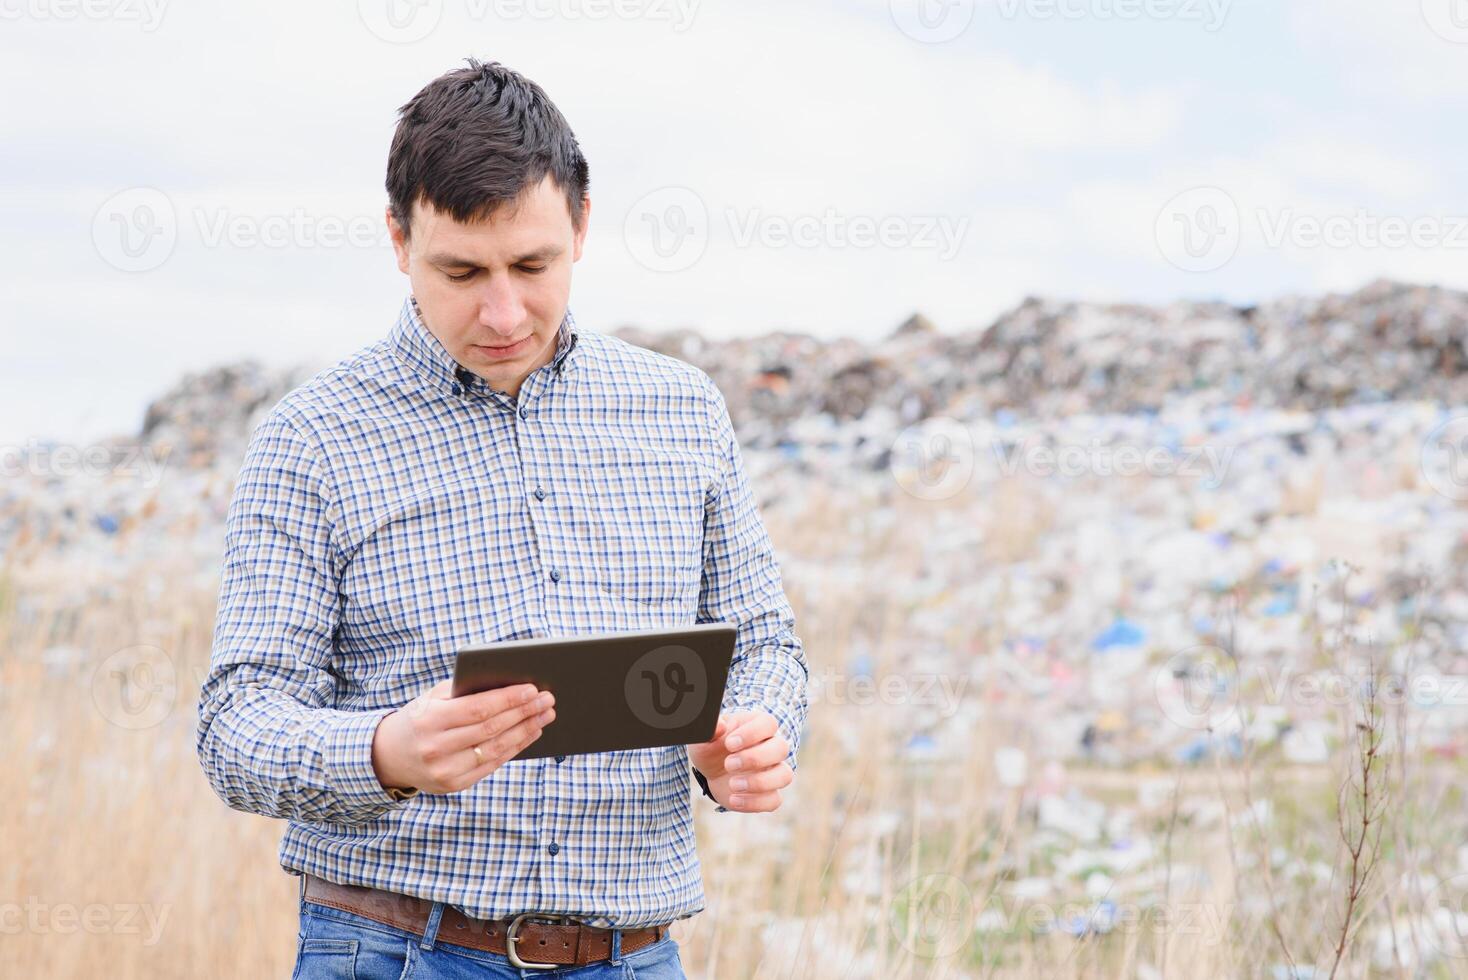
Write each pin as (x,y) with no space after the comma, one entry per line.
(879,865)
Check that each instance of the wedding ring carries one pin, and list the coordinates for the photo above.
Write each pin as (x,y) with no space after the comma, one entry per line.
(479,755)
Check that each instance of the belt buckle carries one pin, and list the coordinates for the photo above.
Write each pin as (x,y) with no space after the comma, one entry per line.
(511,938)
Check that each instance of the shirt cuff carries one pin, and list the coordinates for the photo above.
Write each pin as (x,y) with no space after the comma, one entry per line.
(349,761)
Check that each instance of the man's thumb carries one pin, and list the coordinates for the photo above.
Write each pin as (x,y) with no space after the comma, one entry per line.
(720,730)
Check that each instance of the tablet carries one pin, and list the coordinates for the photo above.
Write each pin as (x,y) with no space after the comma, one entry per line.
(634,690)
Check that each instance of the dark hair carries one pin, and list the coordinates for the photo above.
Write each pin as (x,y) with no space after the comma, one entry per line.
(473,139)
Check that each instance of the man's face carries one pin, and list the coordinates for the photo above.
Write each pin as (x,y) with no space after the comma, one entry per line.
(494,292)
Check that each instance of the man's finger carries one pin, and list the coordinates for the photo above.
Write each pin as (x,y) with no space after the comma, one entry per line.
(763,780)
(724,726)
(754,802)
(750,729)
(472,709)
(541,707)
(761,756)
(502,748)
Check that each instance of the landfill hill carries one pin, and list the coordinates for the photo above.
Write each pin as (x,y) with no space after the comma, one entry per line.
(1044,359)
(1094,491)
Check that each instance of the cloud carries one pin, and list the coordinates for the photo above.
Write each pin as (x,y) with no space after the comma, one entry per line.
(1388,50)
(1056,157)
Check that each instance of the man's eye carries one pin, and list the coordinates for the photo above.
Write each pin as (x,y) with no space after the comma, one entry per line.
(532,268)
(461,277)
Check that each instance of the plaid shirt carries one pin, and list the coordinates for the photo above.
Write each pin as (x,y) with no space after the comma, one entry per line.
(396,508)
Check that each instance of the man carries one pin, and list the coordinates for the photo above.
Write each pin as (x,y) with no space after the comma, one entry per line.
(487,472)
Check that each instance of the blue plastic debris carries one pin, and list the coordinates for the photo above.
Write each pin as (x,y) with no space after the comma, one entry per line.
(921,746)
(1121,633)
(1100,920)
(1202,747)
(1282,604)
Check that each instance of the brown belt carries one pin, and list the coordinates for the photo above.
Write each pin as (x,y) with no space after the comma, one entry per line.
(535,943)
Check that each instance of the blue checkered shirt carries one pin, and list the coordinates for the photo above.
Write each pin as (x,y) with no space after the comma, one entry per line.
(395,509)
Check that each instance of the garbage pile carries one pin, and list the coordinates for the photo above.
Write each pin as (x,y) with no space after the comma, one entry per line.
(212,413)
(1047,358)
(1239,589)
(1044,359)
(1090,489)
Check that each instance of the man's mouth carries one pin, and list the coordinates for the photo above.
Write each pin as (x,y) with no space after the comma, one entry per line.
(503,350)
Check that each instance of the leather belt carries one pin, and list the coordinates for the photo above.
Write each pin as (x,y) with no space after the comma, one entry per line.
(526,941)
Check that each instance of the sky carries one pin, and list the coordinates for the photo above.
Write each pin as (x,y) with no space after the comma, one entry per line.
(185,185)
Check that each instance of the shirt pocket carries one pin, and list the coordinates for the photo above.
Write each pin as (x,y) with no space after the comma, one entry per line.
(645,512)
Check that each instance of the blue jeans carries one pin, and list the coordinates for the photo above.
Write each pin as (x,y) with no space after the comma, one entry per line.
(344,946)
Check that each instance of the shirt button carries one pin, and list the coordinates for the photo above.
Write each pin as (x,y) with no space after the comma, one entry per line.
(457,390)
(524,413)
(540,493)
(560,758)
(555,574)
(554,848)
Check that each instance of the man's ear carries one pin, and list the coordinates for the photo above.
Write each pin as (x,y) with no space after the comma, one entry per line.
(399,240)
(581,234)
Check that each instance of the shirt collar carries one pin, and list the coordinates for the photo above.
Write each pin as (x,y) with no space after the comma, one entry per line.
(429,360)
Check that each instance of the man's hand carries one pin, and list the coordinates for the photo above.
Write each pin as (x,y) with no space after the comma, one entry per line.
(745,762)
(429,742)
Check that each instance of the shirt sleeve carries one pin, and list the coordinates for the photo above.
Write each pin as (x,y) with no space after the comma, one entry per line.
(742,586)
(269,738)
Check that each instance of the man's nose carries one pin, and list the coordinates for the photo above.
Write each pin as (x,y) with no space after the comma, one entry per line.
(501,309)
